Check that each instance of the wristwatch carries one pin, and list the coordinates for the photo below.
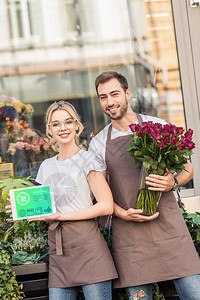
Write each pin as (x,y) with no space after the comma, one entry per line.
(176,185)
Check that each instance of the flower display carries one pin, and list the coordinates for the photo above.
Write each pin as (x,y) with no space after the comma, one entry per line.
(8,112)
(15,128)
(19,143)
(158,148)
(26,141)
(19,107)
(31,148)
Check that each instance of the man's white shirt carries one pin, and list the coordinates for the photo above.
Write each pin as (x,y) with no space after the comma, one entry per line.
(98,143)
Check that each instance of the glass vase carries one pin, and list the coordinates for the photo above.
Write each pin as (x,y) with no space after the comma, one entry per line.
(147,200)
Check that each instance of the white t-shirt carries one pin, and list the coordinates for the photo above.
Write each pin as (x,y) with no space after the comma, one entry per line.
(98,143)
(69,180)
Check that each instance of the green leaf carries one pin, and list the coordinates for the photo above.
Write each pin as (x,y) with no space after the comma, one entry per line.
(162,164)
(159,158)
(137,153)
(5,192)
(5,182)
(145,151)
(149,159)
(154,165)
(160,171)
(154,171)
(132,146)
(196,218)
(198,234)
(147,165)
(131,153)
(178,170)
(138,164)
(172,169)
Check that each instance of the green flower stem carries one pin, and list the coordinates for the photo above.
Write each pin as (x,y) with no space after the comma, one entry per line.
(141,139)
(147,200)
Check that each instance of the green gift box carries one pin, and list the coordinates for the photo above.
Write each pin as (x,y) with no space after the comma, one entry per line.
(32,202)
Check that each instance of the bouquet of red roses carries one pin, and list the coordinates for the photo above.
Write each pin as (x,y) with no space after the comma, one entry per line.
(158,147)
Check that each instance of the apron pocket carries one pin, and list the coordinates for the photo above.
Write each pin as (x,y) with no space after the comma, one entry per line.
(169,224)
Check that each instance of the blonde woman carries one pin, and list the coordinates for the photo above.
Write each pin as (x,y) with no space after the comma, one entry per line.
(78,254)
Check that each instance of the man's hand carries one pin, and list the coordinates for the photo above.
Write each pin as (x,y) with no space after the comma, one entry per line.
(160,183)
(136,215)
(132,214)
(166,183)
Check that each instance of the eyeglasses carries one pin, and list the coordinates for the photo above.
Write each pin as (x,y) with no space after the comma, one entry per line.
(68,123)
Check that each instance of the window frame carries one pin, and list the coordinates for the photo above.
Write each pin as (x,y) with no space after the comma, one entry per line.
(25,22)
(184,19)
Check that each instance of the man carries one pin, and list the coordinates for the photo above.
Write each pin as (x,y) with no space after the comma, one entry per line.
(144,252)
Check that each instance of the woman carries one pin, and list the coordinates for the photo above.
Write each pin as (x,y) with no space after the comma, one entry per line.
(78,254)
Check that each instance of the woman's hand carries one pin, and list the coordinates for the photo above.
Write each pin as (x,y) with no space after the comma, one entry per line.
(54,217)
(8,207)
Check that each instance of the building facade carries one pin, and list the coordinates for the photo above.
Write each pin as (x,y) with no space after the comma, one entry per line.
(53,50)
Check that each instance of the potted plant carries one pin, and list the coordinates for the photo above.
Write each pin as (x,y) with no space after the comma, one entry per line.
(29,238)
(6,222)
(9,287)
(193,223)
(6,185)
(28,244)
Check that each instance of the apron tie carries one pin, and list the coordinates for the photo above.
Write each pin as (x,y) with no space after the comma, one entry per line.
(56,226)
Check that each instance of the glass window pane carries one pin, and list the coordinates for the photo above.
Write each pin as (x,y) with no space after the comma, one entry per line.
(80,39)
(35,18)
(70,15)
(15,14)
(19,18)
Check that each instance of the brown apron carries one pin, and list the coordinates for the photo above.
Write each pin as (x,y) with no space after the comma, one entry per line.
(151,251)
(78,254)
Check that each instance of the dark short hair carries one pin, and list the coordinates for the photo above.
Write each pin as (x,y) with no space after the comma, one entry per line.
(107,76)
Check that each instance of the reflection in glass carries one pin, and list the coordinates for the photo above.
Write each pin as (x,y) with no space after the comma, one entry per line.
(67,43)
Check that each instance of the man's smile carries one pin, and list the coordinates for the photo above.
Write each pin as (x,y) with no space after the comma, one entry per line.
(112,109)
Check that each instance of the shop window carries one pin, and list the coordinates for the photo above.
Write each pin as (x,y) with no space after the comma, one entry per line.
(25,20)
(16,23)
(70,15)
(79,17)
(83,38)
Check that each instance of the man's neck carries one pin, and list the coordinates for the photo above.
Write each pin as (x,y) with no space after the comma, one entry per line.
(123,124)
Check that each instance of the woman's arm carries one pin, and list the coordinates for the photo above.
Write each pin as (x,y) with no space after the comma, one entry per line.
(103,196)
(103,206)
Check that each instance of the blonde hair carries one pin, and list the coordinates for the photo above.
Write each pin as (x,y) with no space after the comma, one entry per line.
(63,105)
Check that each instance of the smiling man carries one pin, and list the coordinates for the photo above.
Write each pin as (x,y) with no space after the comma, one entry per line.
(114,102)
(144,252)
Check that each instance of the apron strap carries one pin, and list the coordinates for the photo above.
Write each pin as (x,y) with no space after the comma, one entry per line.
(110,127)
(56,226)
(139,117)
(109,133)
